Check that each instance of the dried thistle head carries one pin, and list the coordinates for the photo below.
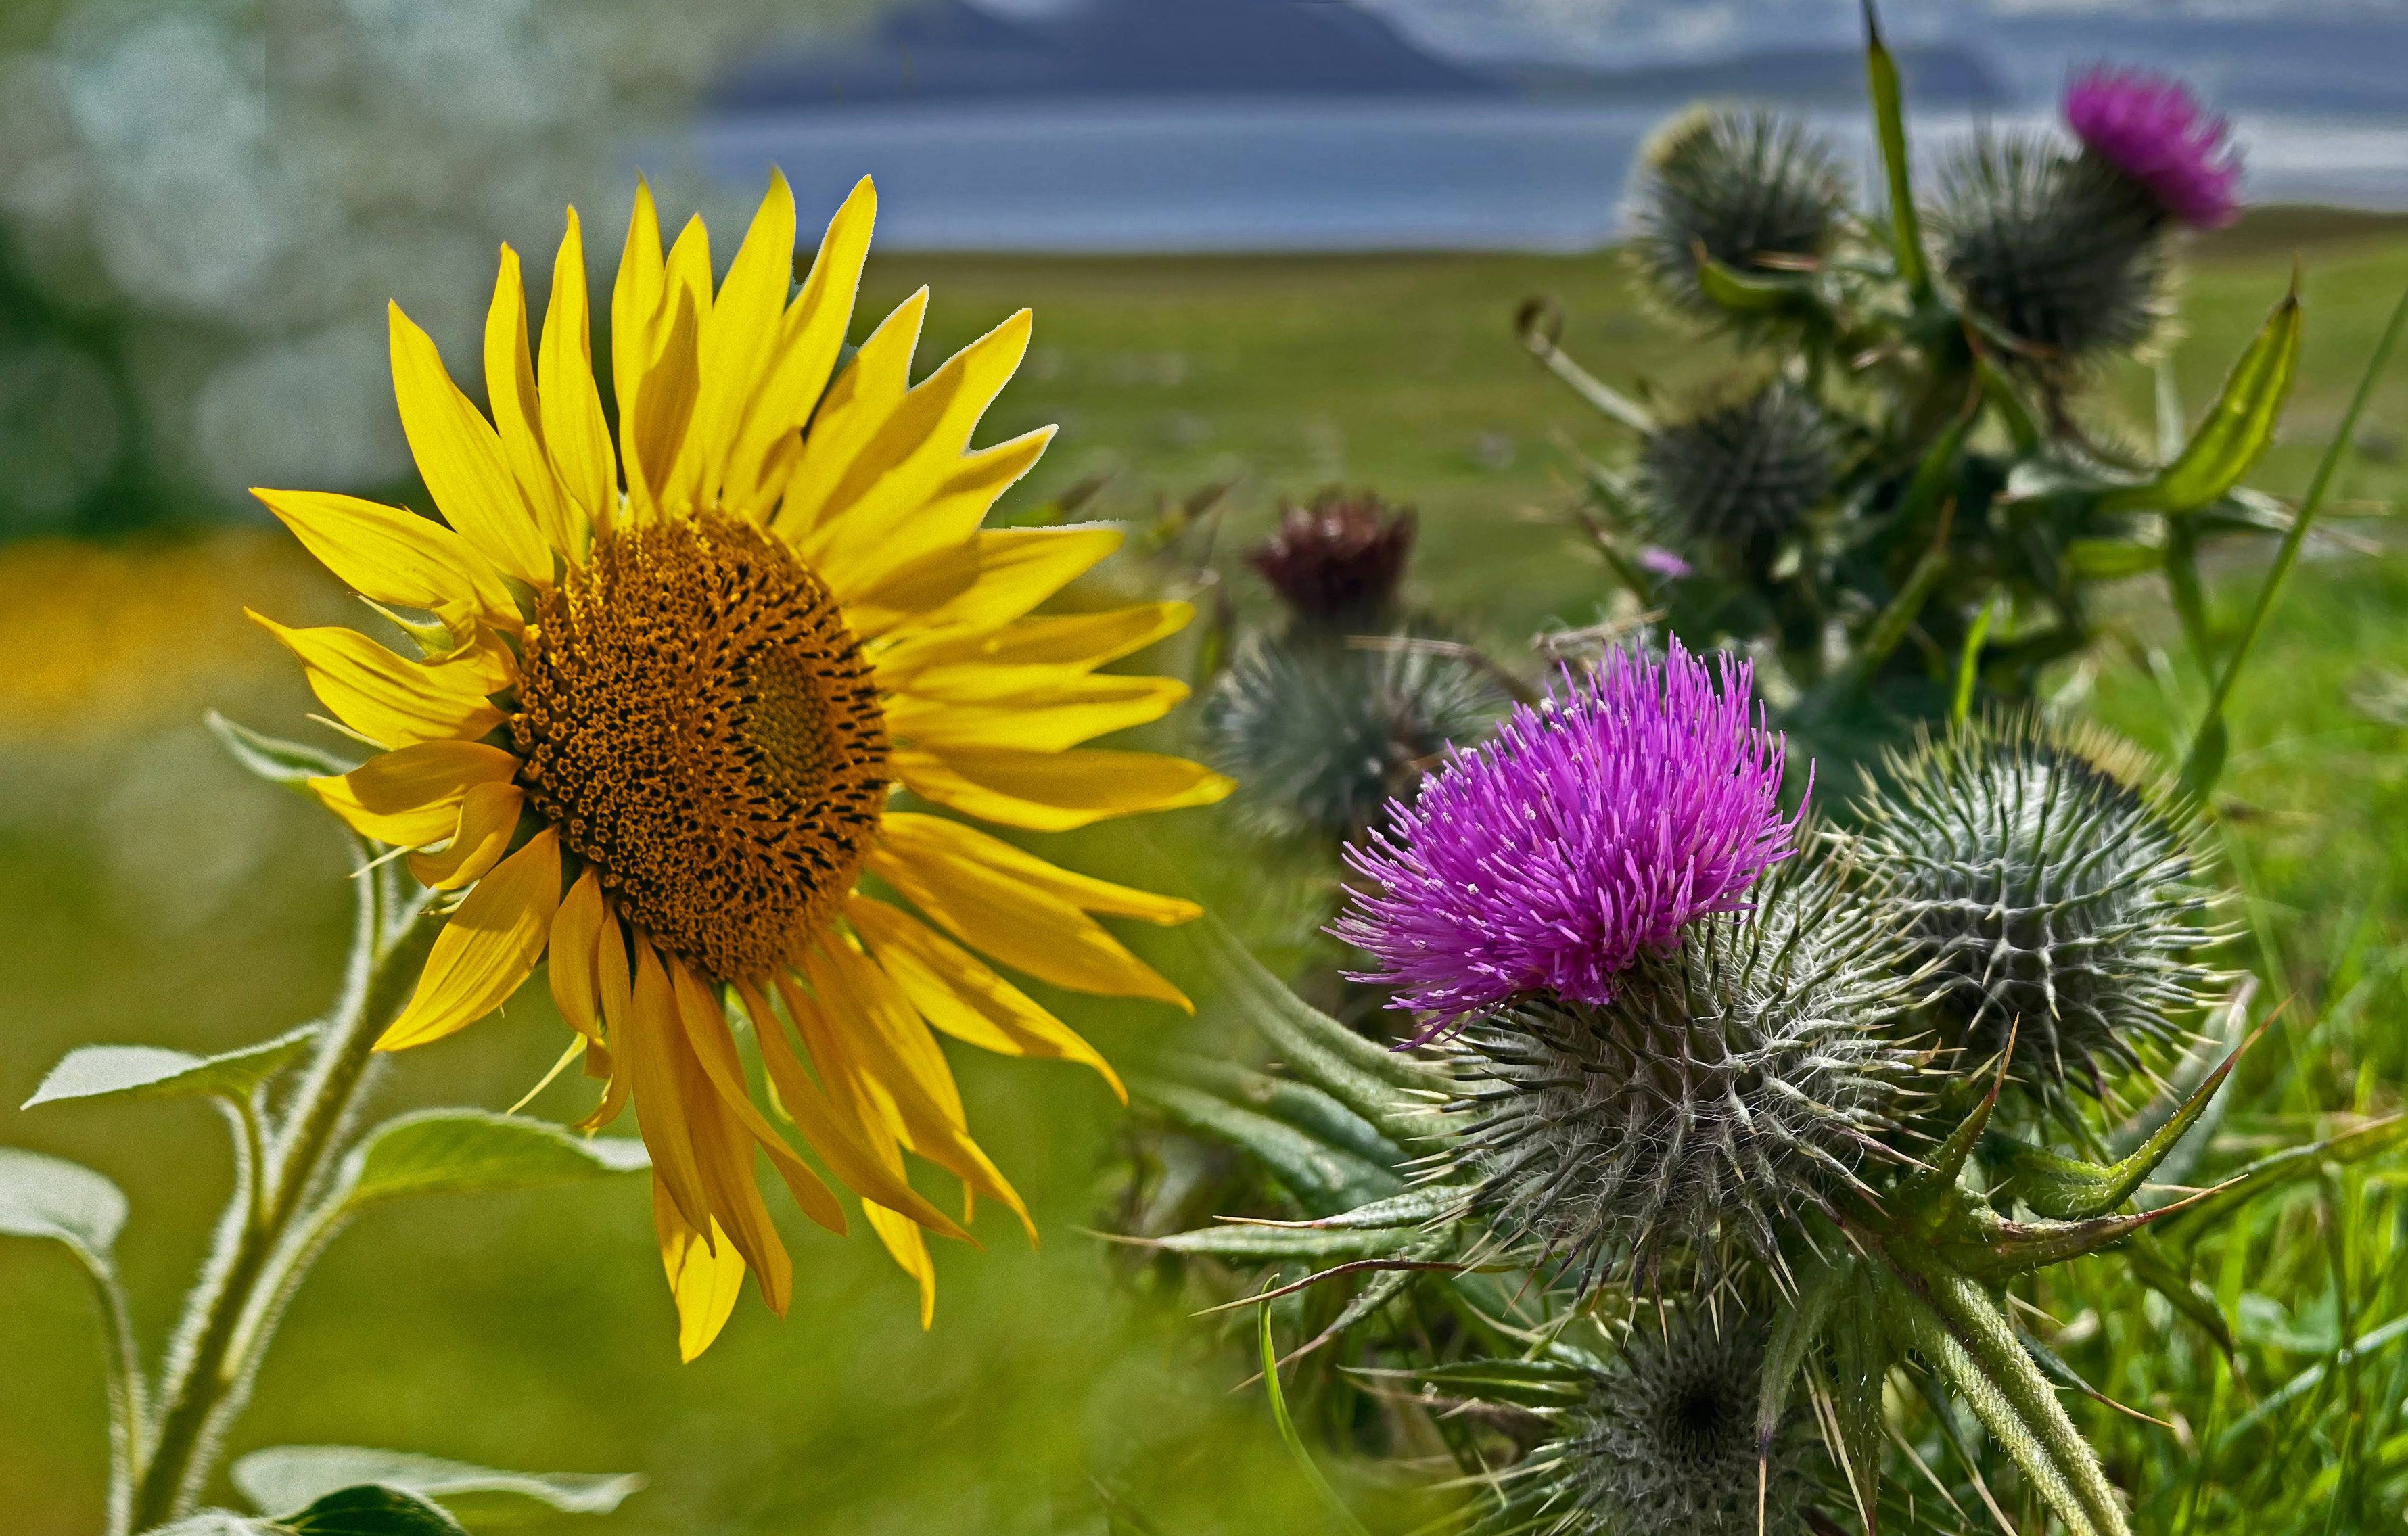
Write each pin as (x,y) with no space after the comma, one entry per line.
(1339,561)
(1745,186)
(1735,1080)
(2054,882)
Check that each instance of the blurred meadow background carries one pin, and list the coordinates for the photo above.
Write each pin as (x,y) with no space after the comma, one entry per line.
(203,208)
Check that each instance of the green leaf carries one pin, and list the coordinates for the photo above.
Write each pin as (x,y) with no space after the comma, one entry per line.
(277,761)
(2109,559)
(2073,1189)
(371,1510)
(213,1522)
(2237,428)
(1296,1441)
(2278,1169)
(1529,1383)
(1270,1244)
(1290,1102)
(1890,128)
(1323,1179)
(151,1071)
(290,1476)
(1375,1082)
(1747,293)
(1968,661)
(66,1202)
(441,1152)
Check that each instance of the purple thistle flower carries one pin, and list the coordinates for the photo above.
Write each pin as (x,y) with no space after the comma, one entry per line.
(1662,562)
(2151,130)
(1629,805)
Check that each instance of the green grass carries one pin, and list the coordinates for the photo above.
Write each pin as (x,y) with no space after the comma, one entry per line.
(148,893)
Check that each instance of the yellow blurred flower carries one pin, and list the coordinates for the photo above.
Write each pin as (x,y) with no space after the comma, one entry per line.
(669,689)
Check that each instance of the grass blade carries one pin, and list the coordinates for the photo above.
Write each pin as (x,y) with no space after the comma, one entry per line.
(1295,1442)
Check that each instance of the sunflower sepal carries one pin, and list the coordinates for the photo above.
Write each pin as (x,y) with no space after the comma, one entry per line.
(290,764)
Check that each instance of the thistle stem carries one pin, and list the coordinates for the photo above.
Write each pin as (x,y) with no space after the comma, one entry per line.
(207,1375)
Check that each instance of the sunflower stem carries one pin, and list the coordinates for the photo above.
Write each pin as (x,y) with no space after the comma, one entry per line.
(207,1376)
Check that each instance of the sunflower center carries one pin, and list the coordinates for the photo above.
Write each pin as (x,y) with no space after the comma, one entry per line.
(698,720)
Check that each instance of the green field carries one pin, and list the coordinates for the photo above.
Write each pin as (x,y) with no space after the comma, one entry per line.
(150,893)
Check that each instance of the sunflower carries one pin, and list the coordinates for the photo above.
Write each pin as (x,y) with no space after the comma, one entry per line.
(668,690)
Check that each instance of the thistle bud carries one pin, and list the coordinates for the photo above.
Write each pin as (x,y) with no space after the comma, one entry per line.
(2061,256)
(2052,884)
(1738,479)
(1320,738)
(1733,1083)
(1744,185)
(2152,132)
(1666,1442)
(1337,562)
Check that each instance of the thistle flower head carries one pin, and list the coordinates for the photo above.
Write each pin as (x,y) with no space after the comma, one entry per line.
(1737,477)
(2061,254)
(1320,739)
(1589,829)
(1666,1445)
(2054,888)
(1731,1084)
(1746,185)
(2152,131)
(1339,561)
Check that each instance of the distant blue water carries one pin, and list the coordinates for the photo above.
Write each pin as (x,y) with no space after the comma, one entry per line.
(1209,174)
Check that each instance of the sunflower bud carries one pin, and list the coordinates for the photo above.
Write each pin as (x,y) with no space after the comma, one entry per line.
(2061,256)
(1744,186)
(1730,1085)
(1338,562)
(1739,479)
(2053,885)
(1666,1442)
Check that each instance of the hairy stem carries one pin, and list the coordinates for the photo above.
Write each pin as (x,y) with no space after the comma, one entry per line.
(207,1375)
(126,1408)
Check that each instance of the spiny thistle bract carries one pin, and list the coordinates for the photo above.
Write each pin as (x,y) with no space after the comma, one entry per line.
(1737,478)
(2062,256)
(1320,737)
(1338,562)
(1746,185)
(2052,884)
(1665,1443)
(1540,864)
(1735,1080)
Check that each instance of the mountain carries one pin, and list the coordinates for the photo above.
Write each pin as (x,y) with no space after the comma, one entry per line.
(951,51)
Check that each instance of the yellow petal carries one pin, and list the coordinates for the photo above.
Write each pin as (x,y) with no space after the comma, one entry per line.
(615,991)
(1047,717)
(1055,790)
(651,1042)
(936,835)
(849,415)
(996,578)
(487,950)
(1084,639)
(957,993)
(461,459)
(743,327)
(390,554)
(885,1042)
(576,931)
(705,1276)
(715,1048)
(635,299)
(518,415)
(724,1153)
(412,796)
(883,510)
(809,336)
(909,1250)
(656,477)
(1006,917)
(488,814)
(393,702)
(575,432)
(852,1160)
